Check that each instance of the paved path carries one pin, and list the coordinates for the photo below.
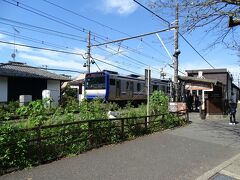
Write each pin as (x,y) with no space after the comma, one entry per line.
(184,153)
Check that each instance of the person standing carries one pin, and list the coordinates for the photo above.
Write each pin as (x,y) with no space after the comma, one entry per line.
(232,109)
(196,102)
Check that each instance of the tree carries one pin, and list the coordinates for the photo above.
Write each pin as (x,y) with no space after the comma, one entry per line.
(219,17)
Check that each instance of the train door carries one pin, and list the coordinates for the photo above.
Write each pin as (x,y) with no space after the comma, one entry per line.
(118,88)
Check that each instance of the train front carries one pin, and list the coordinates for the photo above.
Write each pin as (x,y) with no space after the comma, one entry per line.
(97,86)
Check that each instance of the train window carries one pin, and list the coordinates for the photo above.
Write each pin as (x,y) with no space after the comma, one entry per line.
(155,87)
(138,87)
(112,82)
(127,86)
(95,83)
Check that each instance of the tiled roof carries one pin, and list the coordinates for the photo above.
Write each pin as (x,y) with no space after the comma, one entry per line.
(207,71)
(16,69)
(195,79)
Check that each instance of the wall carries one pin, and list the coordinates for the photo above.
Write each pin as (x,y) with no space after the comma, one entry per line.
(3,89)
(54,87)
(25,86)
(221,77)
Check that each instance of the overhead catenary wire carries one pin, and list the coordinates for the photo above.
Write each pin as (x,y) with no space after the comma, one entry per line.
(67,52)
(52,17)
(58,20)
(43,42)
(65,35)
(42,28)
(97,22)
(97,59)
(88,19)
(132,59)
(47,16)
(196,50)
(44,31)
(178,32)
(41,48)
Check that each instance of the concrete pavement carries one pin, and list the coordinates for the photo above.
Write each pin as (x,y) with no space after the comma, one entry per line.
(201,150)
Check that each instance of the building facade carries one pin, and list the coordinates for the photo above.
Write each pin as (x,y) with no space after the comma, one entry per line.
(215,99)
(21,79)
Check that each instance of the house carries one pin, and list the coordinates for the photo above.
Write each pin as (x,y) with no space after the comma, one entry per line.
(18,78)
(78,85)
(213,86)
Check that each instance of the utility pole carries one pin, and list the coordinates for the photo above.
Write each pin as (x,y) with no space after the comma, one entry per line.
(175,57)
(147,84)
(89,52)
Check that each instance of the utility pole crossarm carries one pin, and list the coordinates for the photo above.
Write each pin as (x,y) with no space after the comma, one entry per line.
(133,37)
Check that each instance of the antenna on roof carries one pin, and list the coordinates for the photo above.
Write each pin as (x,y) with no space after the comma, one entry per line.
(14,50)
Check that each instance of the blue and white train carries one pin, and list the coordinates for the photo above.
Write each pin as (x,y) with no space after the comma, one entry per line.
(110,86)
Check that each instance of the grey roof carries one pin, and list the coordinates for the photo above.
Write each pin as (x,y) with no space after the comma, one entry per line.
(200,80)
(195,71)
(17,69)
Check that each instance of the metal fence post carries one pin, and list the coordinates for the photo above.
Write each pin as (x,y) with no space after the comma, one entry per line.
(39,141)
(162,120)
(90,133)
(146,123)
(122,128)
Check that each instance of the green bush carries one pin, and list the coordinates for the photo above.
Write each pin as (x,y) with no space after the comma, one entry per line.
(159,103)
(17,148)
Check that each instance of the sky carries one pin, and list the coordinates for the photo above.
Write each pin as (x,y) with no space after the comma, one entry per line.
(64,26)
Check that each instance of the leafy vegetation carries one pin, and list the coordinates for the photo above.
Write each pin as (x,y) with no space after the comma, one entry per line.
(43,133)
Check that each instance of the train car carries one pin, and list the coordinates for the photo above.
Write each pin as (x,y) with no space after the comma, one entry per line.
(110,86)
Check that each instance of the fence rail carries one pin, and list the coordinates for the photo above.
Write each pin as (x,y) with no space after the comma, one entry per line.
(46,143)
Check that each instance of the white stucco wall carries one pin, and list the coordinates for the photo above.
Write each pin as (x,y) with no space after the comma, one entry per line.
(3,89)
(54,87)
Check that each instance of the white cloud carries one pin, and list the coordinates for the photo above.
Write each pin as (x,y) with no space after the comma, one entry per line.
(122,7)
(2,36)
(64,64)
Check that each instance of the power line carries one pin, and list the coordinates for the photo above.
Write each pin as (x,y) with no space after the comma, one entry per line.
(84,17)
(178,32)
(195,50)
(53,18)
(45,15)
(135,60)
(48,16)
(33,28)
(33,40)
(65,35)
(115,66)
(65,52)
(169,24)
(41,48)
(97,22)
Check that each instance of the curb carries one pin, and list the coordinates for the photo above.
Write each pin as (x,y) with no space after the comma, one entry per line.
(220,167)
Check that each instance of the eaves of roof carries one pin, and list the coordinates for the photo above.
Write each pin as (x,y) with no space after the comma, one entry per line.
(14,69)
(200,80)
